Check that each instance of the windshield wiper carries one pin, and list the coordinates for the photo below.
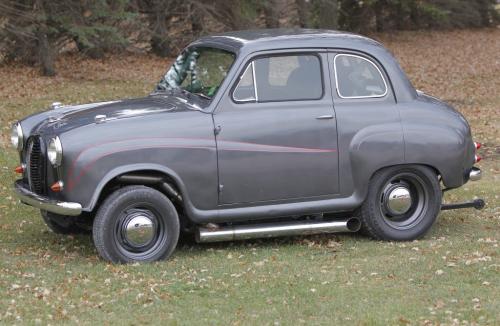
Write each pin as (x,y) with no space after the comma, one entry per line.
(202,95)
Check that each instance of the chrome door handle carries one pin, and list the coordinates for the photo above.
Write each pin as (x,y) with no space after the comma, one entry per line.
(325,117)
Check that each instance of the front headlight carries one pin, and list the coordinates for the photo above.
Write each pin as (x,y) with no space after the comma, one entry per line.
(16,136)
(55,152)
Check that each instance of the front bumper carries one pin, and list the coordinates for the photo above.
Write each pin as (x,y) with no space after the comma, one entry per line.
(50,205)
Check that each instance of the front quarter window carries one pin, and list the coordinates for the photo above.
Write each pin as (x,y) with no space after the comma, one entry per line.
(200,71)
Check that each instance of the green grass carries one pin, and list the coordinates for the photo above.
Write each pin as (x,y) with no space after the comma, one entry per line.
(452,276)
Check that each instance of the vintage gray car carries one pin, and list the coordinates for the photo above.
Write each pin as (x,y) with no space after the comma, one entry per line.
(250,134)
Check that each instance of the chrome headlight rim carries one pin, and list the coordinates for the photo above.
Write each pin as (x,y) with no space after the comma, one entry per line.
(55,152)
(17,137)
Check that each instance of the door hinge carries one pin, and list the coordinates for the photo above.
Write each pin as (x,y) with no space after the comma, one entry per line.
(217,130)
(221,187)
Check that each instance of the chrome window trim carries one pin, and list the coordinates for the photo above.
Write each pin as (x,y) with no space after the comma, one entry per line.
(254,86)
(363,58)
(252,61)
(254,82)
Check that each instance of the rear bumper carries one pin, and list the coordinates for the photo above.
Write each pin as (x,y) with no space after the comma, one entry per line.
(475,174)
(44,203)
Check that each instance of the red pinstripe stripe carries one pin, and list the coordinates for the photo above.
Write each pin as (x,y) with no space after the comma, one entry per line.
(221,143)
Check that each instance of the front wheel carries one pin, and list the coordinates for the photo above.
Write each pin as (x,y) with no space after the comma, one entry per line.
(402,203)
(136,224)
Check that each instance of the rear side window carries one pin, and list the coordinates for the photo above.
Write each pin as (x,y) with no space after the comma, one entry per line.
(358,77)
(281,78)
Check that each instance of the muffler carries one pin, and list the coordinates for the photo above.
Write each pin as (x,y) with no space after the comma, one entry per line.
(271,230)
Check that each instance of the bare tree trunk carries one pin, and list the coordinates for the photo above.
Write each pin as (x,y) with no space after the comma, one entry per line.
(45,52)
(303,11)
(378,9)
(160,42)
(196,19)
(327,11)
(289,13)
(271,14)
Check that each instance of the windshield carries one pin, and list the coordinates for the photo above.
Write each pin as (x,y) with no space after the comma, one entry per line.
(198,70)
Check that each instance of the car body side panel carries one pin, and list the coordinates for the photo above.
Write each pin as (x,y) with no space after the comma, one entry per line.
(438,136)
(373,148)
(182,142)
(276,151)
(370,136)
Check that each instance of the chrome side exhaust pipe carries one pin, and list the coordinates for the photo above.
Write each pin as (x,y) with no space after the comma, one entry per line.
(271,230)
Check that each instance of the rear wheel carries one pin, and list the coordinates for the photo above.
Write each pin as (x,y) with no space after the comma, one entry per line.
(136,224)
(402,203)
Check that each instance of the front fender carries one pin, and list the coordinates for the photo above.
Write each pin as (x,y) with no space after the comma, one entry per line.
(190,163)
(181,145)
(134,168)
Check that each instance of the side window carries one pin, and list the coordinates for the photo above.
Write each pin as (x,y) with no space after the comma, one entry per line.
(357,77)
(281,78)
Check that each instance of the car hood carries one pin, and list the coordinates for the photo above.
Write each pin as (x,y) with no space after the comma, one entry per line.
(69,117)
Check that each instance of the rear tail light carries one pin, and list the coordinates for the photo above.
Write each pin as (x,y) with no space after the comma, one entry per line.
(19,169)
(477,158)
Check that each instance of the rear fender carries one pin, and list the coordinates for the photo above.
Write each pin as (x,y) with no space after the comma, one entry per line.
(373,148)
(444,148)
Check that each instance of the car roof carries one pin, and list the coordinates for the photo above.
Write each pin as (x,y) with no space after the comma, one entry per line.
(248,42)
(260,39)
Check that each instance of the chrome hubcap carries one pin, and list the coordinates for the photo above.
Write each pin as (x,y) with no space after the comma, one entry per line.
(399,200)
(140,230)
(404,200)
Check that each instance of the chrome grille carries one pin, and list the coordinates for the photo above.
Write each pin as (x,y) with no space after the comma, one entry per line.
(35,165)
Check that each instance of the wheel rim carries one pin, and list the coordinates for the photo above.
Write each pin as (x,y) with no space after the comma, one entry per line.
(398,199)
(139,228)
(140,232)
(403,201)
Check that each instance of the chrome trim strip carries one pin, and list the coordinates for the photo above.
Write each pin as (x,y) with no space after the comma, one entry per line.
(360,57)
(55,105)
(269,230)
(20,136)
(238,85)
(254,82)
(59,152)
(475,174)
(44,203)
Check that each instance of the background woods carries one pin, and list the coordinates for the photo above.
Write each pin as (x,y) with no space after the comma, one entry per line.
(34,32)
(448,278)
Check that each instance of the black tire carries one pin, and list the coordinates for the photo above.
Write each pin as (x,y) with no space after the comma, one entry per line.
(123,212)
(62,224)
(384,218)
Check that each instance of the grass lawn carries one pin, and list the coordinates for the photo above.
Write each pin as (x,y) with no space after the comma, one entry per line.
(452,276)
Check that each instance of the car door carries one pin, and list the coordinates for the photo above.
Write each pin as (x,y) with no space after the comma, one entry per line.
(369,126)
(276,131)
